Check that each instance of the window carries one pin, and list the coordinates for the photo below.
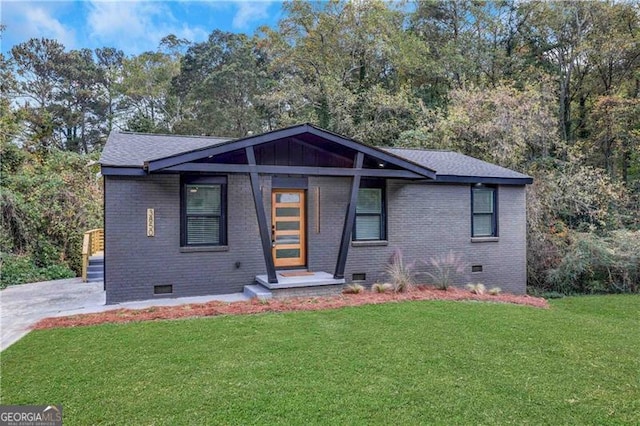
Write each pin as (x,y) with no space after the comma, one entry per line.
(204,211)
(370,218)
(484,222)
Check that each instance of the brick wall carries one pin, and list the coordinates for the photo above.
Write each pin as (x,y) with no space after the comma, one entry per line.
(423,220)
(134,263)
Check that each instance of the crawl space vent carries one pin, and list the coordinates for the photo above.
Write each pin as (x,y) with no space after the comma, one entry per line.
(162,289)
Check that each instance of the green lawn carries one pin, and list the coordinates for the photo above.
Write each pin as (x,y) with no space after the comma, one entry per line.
(399,363)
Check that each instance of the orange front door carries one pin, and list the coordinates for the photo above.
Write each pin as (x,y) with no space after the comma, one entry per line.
(288,227)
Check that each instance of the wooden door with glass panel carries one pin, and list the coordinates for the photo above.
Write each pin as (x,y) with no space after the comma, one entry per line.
(288,227)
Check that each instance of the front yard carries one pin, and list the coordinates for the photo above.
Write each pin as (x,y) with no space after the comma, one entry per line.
(397,363)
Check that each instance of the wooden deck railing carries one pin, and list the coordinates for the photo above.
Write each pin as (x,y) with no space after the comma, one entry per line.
(92,243)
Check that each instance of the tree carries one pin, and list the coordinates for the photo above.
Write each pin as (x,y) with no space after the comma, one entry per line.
(616,135)
(77,111)
(39,81)
(218,84)
(109,62)
(504,125)
(60,96)
(557,35)
(145,85)
(344,65)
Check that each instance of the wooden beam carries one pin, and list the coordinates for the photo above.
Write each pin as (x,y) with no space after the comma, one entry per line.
(349,220)
(262,218)
(292,170)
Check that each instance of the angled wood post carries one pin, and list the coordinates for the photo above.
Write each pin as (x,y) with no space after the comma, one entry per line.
(262,217)
(350,218)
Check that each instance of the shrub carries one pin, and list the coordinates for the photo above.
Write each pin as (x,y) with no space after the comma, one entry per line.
(19,269)
(381,288)
(478,288)
(494,291)
(446,268)
(353,289)
(400,273)
(598,264)
(46,204)
(56,272)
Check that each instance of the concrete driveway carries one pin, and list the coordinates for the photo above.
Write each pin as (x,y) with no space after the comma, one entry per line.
(21,306)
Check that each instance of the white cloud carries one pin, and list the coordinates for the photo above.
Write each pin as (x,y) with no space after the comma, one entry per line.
(136,25)
(121,22)
(249,11)
(29,20)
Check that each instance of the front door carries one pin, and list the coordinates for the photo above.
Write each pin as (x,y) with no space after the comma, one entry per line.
(288,227)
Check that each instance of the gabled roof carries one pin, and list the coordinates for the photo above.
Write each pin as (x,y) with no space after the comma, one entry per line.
(288,132)
(452,166)
(140,153)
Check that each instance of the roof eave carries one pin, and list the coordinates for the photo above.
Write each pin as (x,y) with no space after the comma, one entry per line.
(524,180)
(108,170)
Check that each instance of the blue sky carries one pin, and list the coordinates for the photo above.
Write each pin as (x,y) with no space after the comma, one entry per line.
(131,25)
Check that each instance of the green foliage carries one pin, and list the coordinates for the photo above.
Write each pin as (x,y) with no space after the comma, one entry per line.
(599,264)
(69,102)
(568,199)
(18,269)
(145,86)
(346,67)
(502,125)
(219,83)
(46,205)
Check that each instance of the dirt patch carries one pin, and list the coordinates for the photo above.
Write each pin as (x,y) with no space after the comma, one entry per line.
(282,305)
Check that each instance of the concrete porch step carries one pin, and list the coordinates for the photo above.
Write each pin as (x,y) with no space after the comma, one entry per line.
(257,291)
(317,279)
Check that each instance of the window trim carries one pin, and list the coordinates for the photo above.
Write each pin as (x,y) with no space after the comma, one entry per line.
(373,184)
(203,180)
(494,215)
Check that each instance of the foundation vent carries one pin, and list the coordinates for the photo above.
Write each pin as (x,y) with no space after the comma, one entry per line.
(163,289)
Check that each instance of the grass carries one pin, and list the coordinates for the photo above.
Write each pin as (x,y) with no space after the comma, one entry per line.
(397,363)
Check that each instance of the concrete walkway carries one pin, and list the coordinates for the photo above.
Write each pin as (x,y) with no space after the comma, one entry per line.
(21,306)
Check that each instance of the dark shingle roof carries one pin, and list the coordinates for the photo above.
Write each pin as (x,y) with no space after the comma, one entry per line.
(449,163)
(133,149)
(128,149)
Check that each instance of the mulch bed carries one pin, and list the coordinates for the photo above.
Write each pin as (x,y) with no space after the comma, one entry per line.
(281,305)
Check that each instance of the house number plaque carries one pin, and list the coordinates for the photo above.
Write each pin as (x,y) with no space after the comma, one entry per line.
(151,223)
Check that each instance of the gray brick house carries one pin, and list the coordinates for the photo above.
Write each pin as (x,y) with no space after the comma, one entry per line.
(300,210)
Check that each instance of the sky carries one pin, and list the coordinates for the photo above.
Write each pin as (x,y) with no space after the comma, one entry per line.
(133,26)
